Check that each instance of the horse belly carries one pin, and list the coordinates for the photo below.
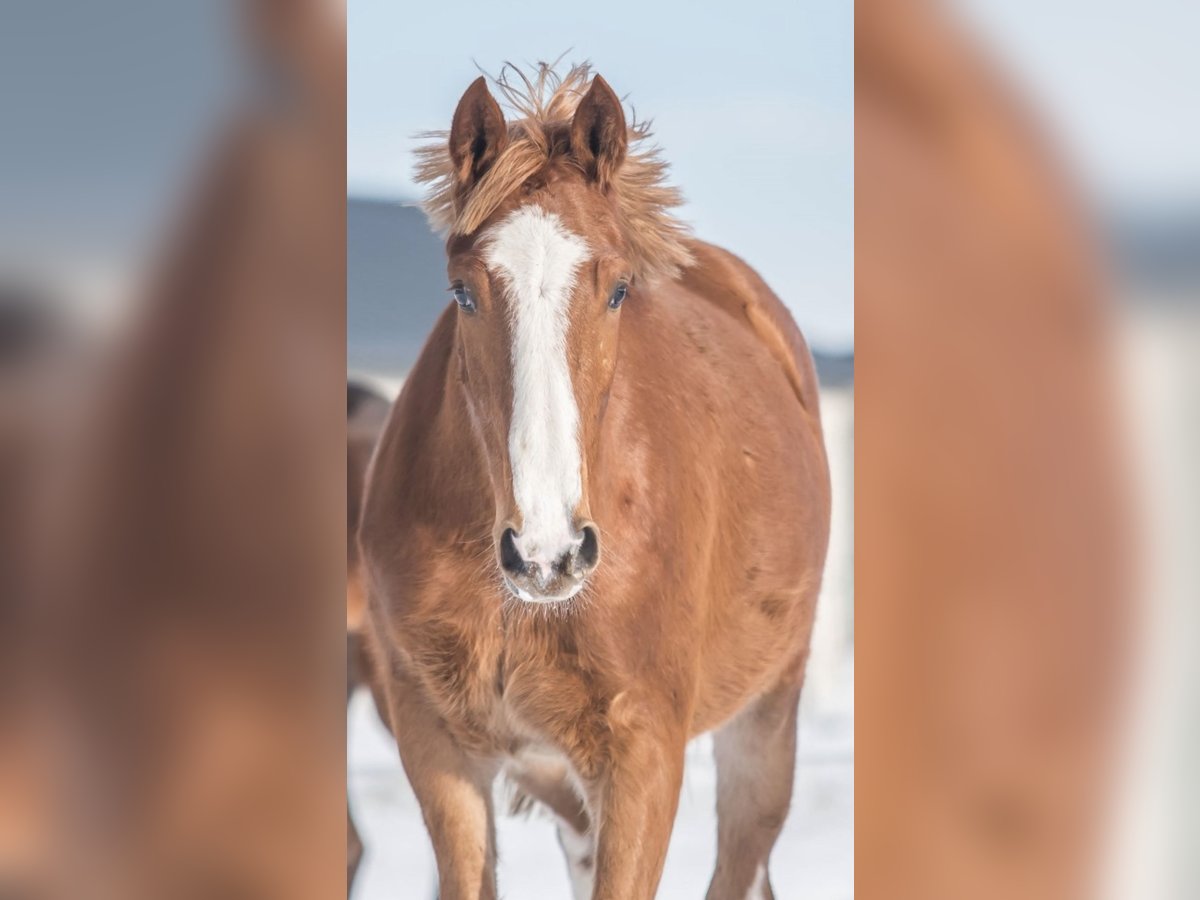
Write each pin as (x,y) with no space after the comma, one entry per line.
(753,655)
(760,614)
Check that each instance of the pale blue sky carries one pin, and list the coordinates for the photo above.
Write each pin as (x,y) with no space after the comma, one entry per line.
(752,103)
(1117,84)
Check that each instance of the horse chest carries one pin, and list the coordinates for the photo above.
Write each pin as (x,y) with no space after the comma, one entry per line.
(549,701)
(504,692)
(535,735)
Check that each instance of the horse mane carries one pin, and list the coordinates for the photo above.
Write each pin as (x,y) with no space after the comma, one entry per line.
(543,103)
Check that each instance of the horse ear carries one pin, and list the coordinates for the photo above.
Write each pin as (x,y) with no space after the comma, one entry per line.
(478,134)
(599,138)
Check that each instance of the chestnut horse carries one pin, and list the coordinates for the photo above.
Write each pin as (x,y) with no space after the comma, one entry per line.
(598,515)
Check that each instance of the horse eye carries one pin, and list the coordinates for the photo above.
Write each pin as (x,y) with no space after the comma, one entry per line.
(463,298)
(618,296)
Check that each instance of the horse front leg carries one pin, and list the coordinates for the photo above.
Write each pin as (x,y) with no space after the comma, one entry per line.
(636,799)
(454,789)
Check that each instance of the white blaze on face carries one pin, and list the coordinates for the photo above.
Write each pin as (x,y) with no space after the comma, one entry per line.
(537,258)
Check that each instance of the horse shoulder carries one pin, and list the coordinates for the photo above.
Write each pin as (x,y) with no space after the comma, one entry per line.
(415,490)
(430,621)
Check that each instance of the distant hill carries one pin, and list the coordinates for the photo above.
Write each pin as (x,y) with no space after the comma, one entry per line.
(396,288)
(1157,250)
(395,285)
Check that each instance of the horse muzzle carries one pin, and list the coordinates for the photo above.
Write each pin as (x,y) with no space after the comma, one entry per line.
(549,578)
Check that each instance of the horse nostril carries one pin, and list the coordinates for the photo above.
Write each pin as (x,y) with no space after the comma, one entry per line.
(510,556)
(589,550)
